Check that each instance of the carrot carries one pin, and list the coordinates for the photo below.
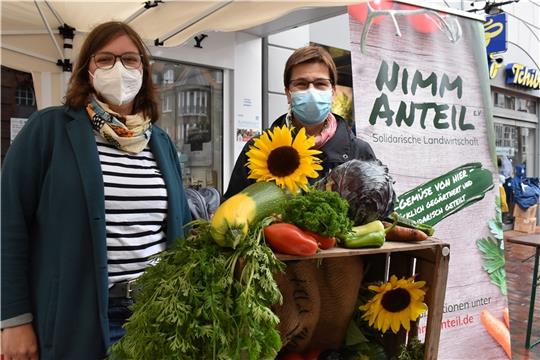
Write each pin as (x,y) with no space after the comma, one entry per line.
(401,233)
(506,317)
(498,331)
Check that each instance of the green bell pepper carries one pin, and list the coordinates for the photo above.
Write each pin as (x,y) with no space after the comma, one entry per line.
(369,235)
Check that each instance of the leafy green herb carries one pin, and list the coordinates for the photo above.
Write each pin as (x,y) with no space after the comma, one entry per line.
(323,212)
(492,249)
(414,350)
(192,306)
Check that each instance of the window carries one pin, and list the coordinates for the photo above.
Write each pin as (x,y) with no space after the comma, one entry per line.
(506,140)
(168,77)
(24,96)
(509,102)
(531,106)
(167,100)
(518,103)
(192,115)
(499,100)
(526,105)
(517,143)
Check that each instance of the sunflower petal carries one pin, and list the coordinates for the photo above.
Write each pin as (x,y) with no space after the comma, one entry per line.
(395,323)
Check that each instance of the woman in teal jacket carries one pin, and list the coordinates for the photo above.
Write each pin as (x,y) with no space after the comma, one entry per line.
(70,177)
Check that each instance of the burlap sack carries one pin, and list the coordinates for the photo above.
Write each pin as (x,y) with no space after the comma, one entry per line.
(318,302)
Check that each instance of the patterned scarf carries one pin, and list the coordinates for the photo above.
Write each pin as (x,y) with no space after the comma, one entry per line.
(327,132)
(129,133)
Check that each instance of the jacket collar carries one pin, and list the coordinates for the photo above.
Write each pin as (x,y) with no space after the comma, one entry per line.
(338,148)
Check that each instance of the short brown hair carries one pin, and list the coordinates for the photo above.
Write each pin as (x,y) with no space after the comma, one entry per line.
(310,54)
(80,86)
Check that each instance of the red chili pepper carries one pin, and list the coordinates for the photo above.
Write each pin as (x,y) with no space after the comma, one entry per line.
(292,356)
(325,242)
(290,239)
(312,354)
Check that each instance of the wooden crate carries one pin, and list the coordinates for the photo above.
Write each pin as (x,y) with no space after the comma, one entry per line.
(526,225)
(428,259)
(526,214)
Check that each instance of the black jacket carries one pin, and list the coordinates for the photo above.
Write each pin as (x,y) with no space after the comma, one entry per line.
(342,147)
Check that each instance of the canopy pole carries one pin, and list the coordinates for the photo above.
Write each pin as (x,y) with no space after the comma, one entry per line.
(55,13)
(68,33)
(28,53)
(147,5)
(49,30)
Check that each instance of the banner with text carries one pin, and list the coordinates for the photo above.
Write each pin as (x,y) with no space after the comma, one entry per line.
(422,101)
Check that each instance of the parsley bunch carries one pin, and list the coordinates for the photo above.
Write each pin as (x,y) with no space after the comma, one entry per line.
(323,212)
(192,306)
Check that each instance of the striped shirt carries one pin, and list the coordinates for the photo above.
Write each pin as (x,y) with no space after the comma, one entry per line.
(135,210)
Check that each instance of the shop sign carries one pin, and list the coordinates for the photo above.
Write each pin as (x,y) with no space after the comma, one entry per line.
(518,74)
(495,41)
(508,151)
(495,33)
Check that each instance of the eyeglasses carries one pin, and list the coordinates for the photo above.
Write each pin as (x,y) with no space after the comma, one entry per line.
(303,84)
(105,60)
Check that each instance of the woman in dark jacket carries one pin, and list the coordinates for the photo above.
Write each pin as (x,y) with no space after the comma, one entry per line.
(90,191)
(310,79)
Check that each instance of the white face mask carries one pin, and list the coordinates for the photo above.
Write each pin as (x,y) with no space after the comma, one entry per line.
(117,85)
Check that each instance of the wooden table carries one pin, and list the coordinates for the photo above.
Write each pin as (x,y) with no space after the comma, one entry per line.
(428,259)
(530,240)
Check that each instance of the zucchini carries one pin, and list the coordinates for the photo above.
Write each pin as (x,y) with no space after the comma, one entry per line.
(230,224)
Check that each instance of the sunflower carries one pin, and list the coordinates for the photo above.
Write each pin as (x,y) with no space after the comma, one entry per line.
(276,156)
(395,303)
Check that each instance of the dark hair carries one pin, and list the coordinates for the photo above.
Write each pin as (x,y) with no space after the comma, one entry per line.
(310,54)
(80,86)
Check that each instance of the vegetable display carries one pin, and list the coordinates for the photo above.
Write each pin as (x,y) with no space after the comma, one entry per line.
(212,295)
(230,224)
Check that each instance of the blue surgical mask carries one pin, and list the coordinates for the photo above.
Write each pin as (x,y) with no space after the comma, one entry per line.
(311,107)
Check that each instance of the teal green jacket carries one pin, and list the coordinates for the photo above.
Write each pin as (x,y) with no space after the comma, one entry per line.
(54,254)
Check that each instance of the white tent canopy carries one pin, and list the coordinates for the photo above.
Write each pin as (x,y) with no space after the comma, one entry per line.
(31,40)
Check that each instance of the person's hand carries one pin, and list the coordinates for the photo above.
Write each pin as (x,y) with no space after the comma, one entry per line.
(19,342)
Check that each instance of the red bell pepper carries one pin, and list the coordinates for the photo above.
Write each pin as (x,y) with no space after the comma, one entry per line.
(290,239)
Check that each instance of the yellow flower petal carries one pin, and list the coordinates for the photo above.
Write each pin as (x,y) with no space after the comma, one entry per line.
(278,137)
(395,318)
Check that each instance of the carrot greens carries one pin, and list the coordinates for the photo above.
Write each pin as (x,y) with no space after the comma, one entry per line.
(194,304)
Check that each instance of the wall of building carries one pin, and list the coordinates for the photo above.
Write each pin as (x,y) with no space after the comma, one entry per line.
(523,47)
